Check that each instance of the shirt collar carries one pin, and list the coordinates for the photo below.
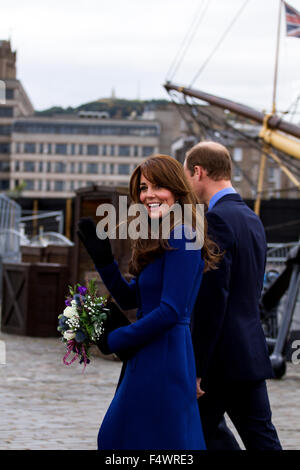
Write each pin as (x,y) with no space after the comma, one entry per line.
(219,195)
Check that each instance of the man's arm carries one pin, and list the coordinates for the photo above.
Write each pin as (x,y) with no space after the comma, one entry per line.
(211,304)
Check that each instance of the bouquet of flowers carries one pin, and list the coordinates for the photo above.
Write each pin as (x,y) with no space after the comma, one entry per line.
(82,321)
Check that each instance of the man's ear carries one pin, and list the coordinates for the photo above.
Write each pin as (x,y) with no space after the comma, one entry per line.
(199,172)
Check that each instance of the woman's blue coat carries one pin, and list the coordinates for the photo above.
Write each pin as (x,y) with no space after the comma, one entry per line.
(155,406)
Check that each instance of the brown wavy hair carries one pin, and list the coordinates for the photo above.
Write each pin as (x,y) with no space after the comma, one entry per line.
(166,172)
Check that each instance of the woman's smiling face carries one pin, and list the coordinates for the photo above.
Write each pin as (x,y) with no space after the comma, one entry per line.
(157,200)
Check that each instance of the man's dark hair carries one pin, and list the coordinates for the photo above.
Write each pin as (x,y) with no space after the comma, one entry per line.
(213,157)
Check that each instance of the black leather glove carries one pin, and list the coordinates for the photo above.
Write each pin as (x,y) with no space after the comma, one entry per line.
(116,319)
(99,250)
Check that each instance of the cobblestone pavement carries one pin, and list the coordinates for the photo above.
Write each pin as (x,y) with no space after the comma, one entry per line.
(47,405)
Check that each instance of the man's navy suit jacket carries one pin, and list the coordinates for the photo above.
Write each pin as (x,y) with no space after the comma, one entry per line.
(229,342)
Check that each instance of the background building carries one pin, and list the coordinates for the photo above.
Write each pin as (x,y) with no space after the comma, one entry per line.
(51,156)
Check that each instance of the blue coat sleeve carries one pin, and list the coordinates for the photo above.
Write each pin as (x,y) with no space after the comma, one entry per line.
(211,305)
(124,293)
(182,270)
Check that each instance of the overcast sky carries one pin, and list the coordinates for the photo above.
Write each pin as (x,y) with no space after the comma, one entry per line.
(74,51)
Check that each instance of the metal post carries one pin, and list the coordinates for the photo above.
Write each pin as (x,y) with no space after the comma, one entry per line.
(260,181)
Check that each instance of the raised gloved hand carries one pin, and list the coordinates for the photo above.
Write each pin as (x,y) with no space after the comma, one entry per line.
(99,250)
(116,319)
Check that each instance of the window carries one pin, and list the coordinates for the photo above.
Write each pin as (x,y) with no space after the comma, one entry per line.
(41,150)
(35,127)
(18,147)
(104,150)
(9,93)
(123,169)
(73,149)
(17,165)
(59,185)
(72,168)
(4,147)
(136,151)
(124,150)
(80,167)
(271,174)
(237,174)
(29,166)
(92,149)
(5,130)
(6,111)
(40,185)
(61,149)
(48,167)
(29,147)
(48,185)
(80,149)
(148,151)
(29,185)
(92,168)
(60,167)
(4,166)
(4,185)
(112,150)
(49,149)
(237,154)
(41,167)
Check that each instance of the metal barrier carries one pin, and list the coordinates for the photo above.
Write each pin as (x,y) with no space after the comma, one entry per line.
(280,302)
(43,220)
(10,214)
(277,254)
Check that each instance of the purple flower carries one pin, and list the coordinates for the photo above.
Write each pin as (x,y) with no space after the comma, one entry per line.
(82,290)
(80,336)
(68,302)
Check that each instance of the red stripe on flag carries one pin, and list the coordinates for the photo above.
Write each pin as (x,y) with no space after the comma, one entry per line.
(293,19)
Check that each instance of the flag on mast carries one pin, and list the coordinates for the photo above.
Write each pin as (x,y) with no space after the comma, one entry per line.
(292,17)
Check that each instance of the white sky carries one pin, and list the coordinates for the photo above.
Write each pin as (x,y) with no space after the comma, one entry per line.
(73,51)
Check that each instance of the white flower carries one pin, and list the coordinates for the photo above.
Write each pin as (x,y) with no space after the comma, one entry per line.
(70,312)
(69,334)
(73,303)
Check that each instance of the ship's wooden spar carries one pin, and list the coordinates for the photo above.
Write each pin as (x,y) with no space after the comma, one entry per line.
(270,123)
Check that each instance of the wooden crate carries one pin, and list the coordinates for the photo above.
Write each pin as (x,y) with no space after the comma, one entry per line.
(33,297)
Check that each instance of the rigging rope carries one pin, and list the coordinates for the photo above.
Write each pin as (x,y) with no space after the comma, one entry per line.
(289,161)
(187,40)
(212,134)
(219,43)
(252,142)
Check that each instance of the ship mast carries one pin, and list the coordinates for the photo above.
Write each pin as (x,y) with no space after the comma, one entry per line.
(266,146)
(277,59)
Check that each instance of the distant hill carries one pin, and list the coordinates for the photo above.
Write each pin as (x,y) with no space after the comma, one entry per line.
(117,108)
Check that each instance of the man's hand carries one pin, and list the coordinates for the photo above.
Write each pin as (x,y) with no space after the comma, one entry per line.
(200,392)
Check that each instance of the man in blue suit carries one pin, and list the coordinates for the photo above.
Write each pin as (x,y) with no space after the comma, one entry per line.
(231,354)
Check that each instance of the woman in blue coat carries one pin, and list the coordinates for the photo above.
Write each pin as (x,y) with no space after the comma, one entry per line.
(155,406)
